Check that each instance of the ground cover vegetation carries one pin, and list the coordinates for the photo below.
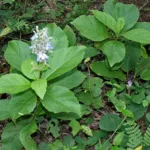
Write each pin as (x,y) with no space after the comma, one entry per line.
(74,75)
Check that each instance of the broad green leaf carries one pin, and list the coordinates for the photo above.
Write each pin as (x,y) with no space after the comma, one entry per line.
(137,109)
(91,28)
(75,125)
(90,52)
(116,148)
(16,53)
(142,65)
(85,98)
(70,79)
(97,102)
(65,116)
(144,53)
(142,25)
(133,53)
(70,58)
(106,145)
(30,69)
(120,105)
(43,146)
(148,116)
(109,7)
(8,1)
(127,11)
(139,96)
(115,52)
(39,86)
(115,67)
(110,122)
(25,136)
(145,103)
(97,135)
(81,141)
(101,69)
(106,19)
(127,113)
(138,35)
(71,35)
(59,38)
(69,142)
(22,104)
(60,99)
(13,83)
(145,74)
(118,138)
(10,135)
(119,25)
(4,109)
(94,85)
(57,145)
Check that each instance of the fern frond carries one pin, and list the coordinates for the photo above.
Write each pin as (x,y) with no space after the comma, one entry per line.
(147,137)
(135,136)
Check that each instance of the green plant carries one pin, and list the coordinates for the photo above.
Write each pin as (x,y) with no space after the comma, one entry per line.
(124,67)
(147,136)
(112,31)
(20,16)
(47,98)
(32,87)
(135,137)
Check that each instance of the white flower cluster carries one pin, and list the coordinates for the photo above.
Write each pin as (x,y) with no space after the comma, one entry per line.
(129,84)
(41,44)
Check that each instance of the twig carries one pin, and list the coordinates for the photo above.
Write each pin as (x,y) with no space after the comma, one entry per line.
(44,135)
(140,71)
(17,38)
(49,21)
(147,1)
(25,3)
(115,131)
(40,21)
(51,4)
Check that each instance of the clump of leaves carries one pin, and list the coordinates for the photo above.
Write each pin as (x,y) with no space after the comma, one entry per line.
(29,85)
(114,32)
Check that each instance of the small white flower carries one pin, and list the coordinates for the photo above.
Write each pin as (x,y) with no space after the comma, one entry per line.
(37,29)
(129,83)
(49,46)
(41,57)
(34,37)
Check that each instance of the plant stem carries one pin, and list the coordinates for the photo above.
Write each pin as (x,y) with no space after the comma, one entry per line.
(44,135)
(115,132)
(141,70)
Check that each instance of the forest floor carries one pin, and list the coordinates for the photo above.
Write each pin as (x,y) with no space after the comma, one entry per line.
(143,5)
